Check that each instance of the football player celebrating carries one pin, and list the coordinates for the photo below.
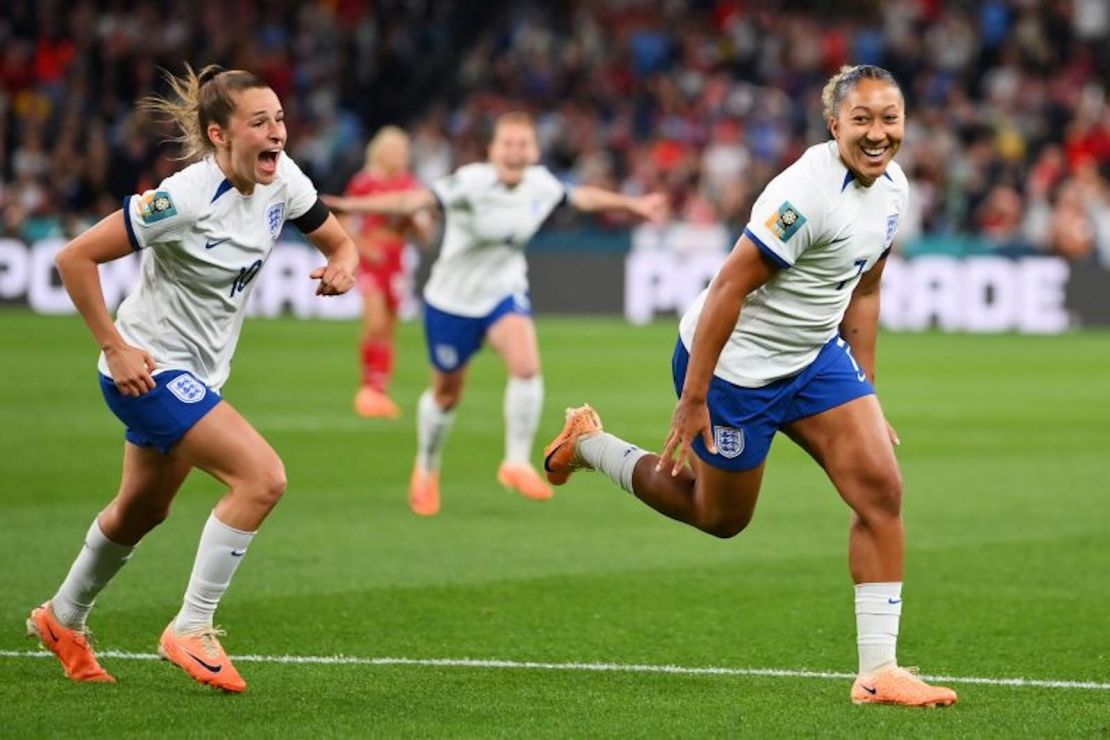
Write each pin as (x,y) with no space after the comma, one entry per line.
(784,338)
(478,291)
(204,234)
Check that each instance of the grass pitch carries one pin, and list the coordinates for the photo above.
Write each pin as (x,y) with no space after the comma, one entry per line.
(1008,519)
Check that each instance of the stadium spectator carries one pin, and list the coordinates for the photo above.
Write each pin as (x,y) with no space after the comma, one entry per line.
(204,233)
(784,339)
(478,291)
(999,84)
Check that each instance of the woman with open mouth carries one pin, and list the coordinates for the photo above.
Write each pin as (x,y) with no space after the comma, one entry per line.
(204,233)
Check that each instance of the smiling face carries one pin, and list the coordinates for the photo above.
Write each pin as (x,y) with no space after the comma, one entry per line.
(248,147)
(869,127)
(513,149)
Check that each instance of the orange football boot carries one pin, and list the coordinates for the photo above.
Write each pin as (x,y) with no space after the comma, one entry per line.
(522,478)
(424,491)
(373,404)
(560,458)
(72,646)
(895,685)
(199,653)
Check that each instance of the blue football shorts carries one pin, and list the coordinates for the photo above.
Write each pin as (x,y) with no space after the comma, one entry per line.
(453,340)
(745,419)
(159,418)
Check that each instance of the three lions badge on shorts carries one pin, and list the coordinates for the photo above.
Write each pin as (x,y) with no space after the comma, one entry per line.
(187,388)
(729,441)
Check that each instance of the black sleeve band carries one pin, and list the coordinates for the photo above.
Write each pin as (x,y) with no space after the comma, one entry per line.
(313,218)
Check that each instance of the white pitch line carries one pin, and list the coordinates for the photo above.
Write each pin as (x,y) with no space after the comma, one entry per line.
(593,667)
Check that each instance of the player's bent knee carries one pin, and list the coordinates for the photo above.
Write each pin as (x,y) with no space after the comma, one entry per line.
(726,527)
(274,483)
(127,524)
(447,393)
(448,400)
(883,499)
(267,485)
(889,499)
(155,515)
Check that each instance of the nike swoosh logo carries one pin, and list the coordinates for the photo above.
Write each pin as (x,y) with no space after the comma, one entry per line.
(862,377)
(891,601)
(218,668)
(870,691)
(218,242)
(52,635)
(238,553)
(841,239)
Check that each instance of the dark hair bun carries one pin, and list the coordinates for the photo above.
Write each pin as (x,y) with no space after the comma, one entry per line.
(209,72)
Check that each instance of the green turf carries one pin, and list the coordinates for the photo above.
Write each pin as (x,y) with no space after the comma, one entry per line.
(1004,452)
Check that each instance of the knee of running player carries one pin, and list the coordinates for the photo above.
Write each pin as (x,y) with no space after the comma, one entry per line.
(262,485)
(724,524)
(447,390)
(875,495)
(720,516)
(126,521)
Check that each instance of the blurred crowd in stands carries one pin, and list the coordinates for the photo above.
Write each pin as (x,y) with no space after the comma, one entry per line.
(1007,147)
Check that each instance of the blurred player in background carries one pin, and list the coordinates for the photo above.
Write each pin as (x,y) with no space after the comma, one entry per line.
(478,291)
(204,234)
(381,243)
(784,338)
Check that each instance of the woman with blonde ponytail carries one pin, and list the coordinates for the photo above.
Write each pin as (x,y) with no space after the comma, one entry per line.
(204,234)
(381,243)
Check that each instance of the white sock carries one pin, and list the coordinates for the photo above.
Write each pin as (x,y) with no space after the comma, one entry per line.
(432,427)
(523,405)
(612,456)
(878,609)
(97,563)
(219,553)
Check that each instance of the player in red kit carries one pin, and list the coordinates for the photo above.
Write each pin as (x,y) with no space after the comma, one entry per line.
(381,243)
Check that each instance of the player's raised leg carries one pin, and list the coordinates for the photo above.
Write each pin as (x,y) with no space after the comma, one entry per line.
(513,336)
(851,443)
(149,482)
(718,502)
(227,447)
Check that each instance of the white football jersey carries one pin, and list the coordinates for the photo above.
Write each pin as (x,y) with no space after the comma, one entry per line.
(824,230)
(203,244)
(486,227)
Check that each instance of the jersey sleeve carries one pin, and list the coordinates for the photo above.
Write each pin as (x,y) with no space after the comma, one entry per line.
(453,189)
(554,189)
(300,193)
(895,221)
(163,214)
(787,218)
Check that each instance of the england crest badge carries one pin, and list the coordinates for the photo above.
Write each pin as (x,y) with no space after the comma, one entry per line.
(275,218)
(187,388)
(729,441)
